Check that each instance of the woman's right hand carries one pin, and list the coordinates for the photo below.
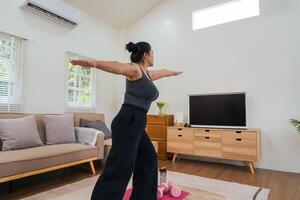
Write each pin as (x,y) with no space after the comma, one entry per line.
(84,63)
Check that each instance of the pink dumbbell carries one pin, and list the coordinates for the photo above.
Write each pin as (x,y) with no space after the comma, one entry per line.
(160,192)
(175,191)
(165,186)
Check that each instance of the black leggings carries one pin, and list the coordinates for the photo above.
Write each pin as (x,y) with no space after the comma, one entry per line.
(131,151)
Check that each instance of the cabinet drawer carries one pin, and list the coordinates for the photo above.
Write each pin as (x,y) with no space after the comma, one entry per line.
(208,146)
(161,147)
(207,133)
(156,131)
(240,134)
(179,147)
(180,140)
(156,119)
(180,134)
(239,148)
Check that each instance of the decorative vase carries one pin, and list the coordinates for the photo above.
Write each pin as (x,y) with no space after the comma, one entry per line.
(160,111)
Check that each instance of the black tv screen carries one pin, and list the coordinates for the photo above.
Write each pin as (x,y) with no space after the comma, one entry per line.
(218,110)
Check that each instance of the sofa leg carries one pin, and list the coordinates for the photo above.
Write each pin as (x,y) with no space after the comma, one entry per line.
(11,186)
(64,170)
(92,167)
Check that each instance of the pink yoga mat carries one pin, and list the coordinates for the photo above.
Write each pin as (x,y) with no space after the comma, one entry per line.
(167,196)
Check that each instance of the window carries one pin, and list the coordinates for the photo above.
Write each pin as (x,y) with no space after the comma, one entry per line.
(80,86)
(227,12)
(11,93)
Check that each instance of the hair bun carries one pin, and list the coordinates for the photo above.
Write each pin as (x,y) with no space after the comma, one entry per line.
(131,47)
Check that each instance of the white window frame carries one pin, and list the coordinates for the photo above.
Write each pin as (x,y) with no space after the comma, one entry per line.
(230,11)
(13,102)
(77,106)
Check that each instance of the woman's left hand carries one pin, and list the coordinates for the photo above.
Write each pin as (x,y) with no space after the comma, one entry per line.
(177,73)
(84,63)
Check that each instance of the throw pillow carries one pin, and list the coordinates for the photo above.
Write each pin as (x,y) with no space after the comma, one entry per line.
(99,125)
(19,133)
(59,129)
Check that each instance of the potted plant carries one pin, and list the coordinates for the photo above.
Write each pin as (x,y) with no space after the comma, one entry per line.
(160,105)
(295,123)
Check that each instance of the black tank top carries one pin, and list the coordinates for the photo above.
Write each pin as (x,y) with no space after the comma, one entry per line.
(141,92)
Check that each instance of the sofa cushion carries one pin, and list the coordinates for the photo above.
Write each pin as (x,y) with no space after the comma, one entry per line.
(26,160)
(99,125)
(59,129)
(19,133)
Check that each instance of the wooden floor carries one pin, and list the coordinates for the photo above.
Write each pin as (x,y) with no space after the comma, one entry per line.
(283,186)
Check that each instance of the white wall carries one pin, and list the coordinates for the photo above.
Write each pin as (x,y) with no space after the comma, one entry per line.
(258,55)
(45,59)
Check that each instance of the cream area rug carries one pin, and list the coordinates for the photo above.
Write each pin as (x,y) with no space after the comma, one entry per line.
(200,188)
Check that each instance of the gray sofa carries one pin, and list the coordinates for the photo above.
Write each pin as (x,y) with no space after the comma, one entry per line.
(26,162)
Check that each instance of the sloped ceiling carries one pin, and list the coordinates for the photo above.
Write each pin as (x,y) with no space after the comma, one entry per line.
(117,13)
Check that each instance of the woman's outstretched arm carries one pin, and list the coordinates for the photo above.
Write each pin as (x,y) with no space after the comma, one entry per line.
(157,74)
(126,69)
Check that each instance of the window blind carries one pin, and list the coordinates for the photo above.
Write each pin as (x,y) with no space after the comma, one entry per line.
(80,86)
(11,90)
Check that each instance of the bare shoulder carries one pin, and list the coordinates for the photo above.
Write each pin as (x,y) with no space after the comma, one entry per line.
(150,73)
(137,74)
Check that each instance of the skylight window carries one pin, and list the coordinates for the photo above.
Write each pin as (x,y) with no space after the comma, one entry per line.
(226,12)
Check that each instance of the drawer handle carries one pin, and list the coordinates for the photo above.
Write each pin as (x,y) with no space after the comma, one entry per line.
(238,139)
(238,131)
(207,130)
(179,135)
(179,129)
(206,137)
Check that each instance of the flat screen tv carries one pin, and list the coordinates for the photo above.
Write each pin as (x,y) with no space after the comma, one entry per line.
(226,110)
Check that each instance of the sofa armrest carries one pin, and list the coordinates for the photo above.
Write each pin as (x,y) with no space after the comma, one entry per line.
(100,145)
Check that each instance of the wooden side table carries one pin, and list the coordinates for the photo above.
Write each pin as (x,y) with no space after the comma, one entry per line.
(157,130)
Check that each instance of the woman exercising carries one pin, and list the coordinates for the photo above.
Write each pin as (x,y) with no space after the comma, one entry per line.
(132,150)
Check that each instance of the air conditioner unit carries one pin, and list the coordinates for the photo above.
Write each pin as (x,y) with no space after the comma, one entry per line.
(56,10)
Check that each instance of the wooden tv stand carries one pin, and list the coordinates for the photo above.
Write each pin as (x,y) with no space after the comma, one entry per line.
(232,144)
